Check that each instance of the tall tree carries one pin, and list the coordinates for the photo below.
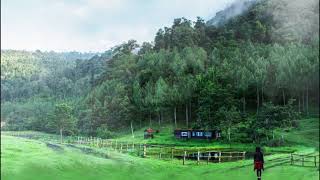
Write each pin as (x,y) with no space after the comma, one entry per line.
(63,120)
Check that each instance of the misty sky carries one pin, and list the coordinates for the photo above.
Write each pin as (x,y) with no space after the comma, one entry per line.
(92,25)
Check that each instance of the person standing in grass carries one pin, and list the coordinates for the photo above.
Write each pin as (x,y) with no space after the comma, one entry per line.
(258,162)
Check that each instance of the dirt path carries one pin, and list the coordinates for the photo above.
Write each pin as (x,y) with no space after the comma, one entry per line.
(55,147)
(90,151)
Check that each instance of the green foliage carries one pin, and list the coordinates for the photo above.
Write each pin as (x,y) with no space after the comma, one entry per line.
(215,96)
(274,116)
(109,105)
(24,115)
(228,117)
(104,133)
(28,74)
(62,118)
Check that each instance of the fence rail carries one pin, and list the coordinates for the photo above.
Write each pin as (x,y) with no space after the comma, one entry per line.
(302,159)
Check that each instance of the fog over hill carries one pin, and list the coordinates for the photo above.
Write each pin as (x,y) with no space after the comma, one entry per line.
(292,19)
(233,10)
(295,19)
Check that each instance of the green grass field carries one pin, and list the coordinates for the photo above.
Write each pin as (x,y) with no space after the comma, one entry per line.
(26,159)
(307,134)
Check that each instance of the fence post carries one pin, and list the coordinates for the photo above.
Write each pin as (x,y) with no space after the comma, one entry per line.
(302,160)
(127,146)
(172,153)
(116,145)
(120,147)
(108,154)
(139,149)
(198,157)
(132,146)
(243,155)
(209,156)
(220,157)
(315,161)
(184,157)
(144,150)
(291,159)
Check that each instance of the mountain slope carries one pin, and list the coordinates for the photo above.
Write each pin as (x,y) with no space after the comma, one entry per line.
(279,20)
(233,10)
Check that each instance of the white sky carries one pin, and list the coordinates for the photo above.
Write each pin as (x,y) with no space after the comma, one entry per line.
(92,25)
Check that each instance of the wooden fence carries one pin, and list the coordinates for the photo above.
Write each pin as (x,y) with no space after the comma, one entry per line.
(208,155)
(163,152)
(307,160)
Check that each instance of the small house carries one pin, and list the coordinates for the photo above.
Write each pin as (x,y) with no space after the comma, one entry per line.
(197,134)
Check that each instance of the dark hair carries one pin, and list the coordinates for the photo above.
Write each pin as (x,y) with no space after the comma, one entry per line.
(258,149)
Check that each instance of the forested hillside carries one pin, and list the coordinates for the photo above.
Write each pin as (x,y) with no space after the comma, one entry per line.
(26,74)
(247,76)
(32,82)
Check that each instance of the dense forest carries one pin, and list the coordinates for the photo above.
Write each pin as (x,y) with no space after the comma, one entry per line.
(246,75)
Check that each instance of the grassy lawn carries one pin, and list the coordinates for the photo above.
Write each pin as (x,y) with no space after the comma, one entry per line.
(24,159)
(307,133)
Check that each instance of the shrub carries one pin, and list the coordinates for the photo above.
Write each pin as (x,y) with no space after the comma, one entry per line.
(104,133)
